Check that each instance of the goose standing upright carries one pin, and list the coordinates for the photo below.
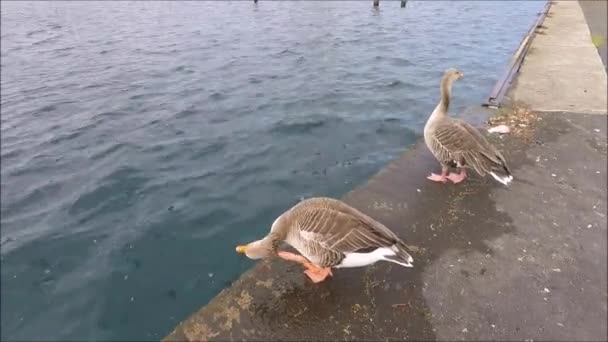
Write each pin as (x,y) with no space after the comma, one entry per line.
(456,143)
(329,233)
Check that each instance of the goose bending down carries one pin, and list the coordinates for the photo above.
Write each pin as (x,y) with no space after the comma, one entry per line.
(456,143)
(329,233)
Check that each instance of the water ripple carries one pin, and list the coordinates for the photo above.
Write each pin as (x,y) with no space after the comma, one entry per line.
(113,191)
(302,127)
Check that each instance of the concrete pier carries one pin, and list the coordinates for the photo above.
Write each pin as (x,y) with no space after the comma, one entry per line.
(595,13)
(563,70)
(526,262)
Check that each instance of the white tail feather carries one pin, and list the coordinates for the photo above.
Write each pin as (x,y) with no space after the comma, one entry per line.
(382,253)
(408,264)
(503,179)
(399,257)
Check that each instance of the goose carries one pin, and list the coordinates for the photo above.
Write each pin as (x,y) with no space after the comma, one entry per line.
(328,234)
(455,143)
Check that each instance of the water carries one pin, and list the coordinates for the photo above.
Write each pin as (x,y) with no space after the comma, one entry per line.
(142,141)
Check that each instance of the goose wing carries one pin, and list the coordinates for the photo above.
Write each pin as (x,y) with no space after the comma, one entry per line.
(483,141)
(456,140)
(331,230)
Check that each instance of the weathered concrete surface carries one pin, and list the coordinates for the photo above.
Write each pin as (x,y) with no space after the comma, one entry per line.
(491,263)
(595,13)
(563,70)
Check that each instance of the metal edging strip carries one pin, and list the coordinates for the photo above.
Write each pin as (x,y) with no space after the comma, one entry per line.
(501,86)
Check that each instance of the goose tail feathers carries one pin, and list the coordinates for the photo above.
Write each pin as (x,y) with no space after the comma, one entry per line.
(400,255)
(502,174)
(505,179)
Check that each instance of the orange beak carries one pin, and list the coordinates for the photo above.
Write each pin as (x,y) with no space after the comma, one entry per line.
(241,249)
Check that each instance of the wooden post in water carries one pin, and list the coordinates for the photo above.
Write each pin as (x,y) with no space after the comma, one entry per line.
(403,2)
(255,1)
(376,3)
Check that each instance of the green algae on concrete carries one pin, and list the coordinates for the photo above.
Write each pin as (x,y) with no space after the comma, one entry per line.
(595,13)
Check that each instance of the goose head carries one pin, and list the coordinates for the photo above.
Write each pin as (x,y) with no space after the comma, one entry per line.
(452,74)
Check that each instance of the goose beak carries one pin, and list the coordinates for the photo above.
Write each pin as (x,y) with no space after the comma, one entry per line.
(460,75)
(240,249)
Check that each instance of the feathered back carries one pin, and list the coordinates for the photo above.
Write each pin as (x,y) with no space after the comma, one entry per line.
(324,229)
(457,141)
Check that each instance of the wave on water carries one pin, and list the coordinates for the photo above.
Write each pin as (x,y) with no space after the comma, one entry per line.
(303,126)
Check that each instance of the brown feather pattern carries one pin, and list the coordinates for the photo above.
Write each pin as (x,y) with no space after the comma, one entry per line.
(324,229)
(457,141)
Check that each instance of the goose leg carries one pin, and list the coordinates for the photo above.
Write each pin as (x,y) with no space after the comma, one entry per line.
(292,257)
(439,178)
(457,177)
(317,274)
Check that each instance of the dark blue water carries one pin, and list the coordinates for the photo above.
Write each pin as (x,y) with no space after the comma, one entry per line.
(142,141)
